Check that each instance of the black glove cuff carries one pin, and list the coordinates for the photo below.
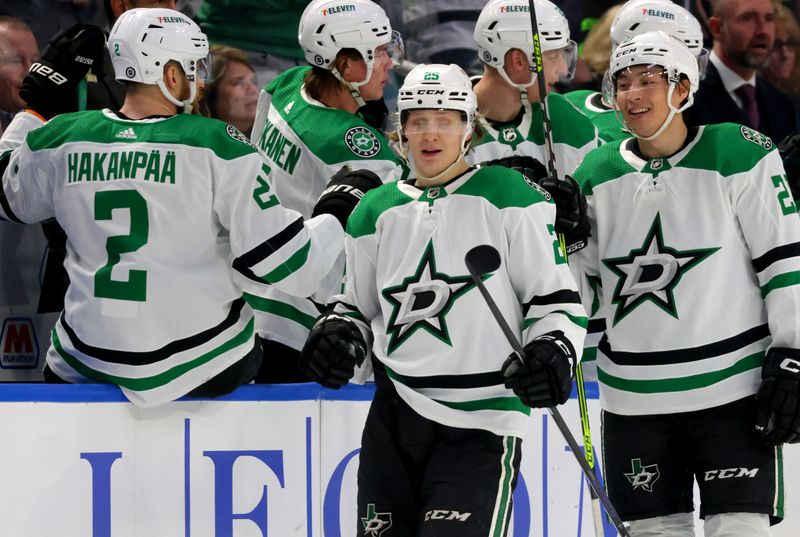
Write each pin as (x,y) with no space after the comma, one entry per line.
(782,362)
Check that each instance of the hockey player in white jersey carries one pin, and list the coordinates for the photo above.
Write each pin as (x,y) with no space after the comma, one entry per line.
(164,213)
(309,126)
(445,427)
(508,96)
(697,242)
(634,18)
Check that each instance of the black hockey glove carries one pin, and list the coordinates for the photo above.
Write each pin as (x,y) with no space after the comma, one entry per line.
(332,351)
(50,88)
(374,113)
(789,149)
(344,191)
(778,397)
(532,169)
(571,217)
(544,377)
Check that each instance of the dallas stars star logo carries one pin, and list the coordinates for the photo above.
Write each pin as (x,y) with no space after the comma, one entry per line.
(422,301)
(651,273)
(643,477)
(375,523)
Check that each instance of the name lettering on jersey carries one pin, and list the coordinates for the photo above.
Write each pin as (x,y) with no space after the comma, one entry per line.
(142,165)
(657,13)
(651,273)
(375,523)
(362,142)
(338,9)
(278,148)
(422,302)
(19,348)
(643,477)
(730,473)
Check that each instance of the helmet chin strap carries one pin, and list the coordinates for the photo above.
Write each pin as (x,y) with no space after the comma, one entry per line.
(670,117)
(353,86)
(523,88)
(186,105)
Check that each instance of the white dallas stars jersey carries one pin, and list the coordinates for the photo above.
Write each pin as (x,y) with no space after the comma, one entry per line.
(573,136)
(160,215)
(699,257)
(305,144)
(408,286)
(608,124)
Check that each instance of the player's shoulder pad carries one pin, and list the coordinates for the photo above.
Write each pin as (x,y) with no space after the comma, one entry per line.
(225,140)
(728,149)
(503,188)
(61,129)
(363,220)
(601,164)
(570,126)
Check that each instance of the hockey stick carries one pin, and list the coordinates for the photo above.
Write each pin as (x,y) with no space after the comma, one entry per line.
(482,260)
(597,515)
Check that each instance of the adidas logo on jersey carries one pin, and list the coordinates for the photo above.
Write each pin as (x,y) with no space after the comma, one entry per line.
(127,134)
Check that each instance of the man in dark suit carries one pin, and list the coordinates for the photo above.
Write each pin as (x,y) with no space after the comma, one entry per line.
(732,91)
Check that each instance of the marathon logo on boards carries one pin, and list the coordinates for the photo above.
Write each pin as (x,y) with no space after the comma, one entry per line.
(344,8)
(656,13)
(19,348)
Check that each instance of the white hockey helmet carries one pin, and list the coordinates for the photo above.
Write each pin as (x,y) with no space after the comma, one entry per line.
(504,25)
(655,49)
(437,87)
(143,40)
(328,26)
(640,16)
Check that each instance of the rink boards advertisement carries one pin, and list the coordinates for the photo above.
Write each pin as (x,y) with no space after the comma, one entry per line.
(280,461)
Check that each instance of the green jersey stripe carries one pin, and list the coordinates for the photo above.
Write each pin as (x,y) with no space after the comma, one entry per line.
(492,403)
(782,280)
(680,384)
(579,320)
(284,270)
(160,379)
(505,487)
(281,309)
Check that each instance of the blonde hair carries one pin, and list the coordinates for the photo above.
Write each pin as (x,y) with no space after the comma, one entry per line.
(785,21)
(597,45)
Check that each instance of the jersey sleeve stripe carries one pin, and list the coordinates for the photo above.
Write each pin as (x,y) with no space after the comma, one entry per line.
(285,269)
(575,319)
(280,309)
(563,296)
(258,254)
(150,357)
(782,280)
(778,253)
(693,354)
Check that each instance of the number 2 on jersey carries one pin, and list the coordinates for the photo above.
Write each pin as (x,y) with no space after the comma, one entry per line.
(784,195)
(135,287)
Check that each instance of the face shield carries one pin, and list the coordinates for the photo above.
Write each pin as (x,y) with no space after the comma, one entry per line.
(702,62)
(559,64)
(437,123)
(205,70)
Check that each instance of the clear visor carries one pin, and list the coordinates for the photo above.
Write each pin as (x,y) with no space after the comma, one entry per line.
(559,64)
(205,72)
(433,121)
(632,81)
(702,63)
(395,49)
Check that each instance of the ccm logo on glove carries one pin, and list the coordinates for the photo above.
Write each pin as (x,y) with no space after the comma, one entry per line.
(793,366)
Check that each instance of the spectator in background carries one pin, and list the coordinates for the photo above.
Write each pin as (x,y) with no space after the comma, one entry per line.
(232,94)
(438,31)
(595,53)
(19,50)
(732,91)
(266,30)
(782,70)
